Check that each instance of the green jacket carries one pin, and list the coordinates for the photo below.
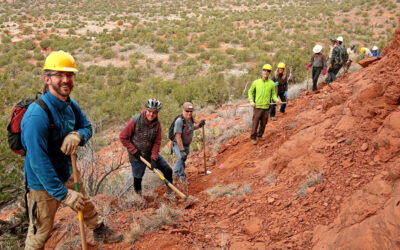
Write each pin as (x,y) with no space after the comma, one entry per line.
(264,91)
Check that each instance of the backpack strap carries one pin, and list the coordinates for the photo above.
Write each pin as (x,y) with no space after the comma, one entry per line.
(76,114)
(44,106)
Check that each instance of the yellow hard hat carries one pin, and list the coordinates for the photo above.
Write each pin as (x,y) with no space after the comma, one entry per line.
(281,65)
(267,66)
(362,50)
(60,61)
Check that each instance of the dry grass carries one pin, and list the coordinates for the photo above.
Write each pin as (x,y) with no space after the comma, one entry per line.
(270,178)
(312,179)
(134,234)
(164,216)
(229,191)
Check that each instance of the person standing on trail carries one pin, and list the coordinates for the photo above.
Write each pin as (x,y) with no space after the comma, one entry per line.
(318,62)
(328,58)
(260,94)
(365,53)
(183,134)
(50,133)
(281,82)
(375,51)
(337,59)
(142,137)
(352,57)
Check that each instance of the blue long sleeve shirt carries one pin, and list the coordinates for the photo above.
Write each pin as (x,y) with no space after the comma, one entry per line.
(46,166)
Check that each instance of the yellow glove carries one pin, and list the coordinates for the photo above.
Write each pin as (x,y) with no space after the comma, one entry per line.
(71,143)
(75,200)
(252,104)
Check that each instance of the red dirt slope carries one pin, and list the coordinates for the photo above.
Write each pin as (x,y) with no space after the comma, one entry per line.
(346,135)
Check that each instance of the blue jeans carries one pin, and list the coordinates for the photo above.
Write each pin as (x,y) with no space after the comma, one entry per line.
(332,73)
(138,168)
(283,106)
(180,165)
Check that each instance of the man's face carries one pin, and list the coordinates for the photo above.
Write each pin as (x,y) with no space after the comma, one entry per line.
(266,73)
(60,83)
(187,113)
(151,114)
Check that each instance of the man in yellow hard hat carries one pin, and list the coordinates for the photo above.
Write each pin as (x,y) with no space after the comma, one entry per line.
(260,94)
(365,52)
(51,130)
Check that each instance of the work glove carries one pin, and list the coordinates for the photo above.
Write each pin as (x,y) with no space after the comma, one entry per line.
(324,71)
(202,123)
(276,83)
(278,102)
(285,93)
(308,66)
(153,164)
(183,155)
(71,143)
(75,200)
(252,104)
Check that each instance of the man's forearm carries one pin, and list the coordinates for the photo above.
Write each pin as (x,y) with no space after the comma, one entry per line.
(179,141)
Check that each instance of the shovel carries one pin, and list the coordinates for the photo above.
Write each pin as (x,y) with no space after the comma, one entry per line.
(169,184)
(204,150)
(80,213)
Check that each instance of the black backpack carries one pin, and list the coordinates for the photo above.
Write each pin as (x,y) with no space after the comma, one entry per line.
(343,56)
(171,134)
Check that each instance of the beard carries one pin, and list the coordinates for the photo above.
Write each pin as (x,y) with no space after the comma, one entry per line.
(63,88)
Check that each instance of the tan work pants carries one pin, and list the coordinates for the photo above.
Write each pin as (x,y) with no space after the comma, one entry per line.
(42,210)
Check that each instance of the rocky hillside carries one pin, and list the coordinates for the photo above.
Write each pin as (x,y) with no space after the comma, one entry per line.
(327,177)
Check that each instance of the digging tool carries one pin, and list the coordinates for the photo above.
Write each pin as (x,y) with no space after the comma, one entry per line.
(80,213)
(169,184)
(307,80)
(248,105)
(204,150)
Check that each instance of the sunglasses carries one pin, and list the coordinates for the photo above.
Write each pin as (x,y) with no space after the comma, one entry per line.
(268,70)
(189,111)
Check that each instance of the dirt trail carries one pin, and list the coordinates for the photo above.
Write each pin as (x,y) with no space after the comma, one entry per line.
(327,176)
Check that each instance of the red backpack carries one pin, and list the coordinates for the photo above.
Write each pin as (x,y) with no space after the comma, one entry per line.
(14,127)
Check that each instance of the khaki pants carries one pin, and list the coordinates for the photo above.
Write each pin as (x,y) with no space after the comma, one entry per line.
(42,210)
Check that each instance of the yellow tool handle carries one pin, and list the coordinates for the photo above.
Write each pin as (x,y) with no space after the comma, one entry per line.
(169,184)
(80,213)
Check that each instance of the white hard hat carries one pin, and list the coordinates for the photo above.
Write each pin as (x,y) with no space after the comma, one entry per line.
(317,48)
(375,48)
(340,39)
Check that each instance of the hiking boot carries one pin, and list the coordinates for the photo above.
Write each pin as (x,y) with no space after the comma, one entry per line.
(254,141)
(184,182)
(106,235)
(169,194)
(175,178)
(261,139)
(274,118)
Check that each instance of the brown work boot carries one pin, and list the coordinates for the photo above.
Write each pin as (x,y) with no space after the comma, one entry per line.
(261,139)
(106,235)
(254,141)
